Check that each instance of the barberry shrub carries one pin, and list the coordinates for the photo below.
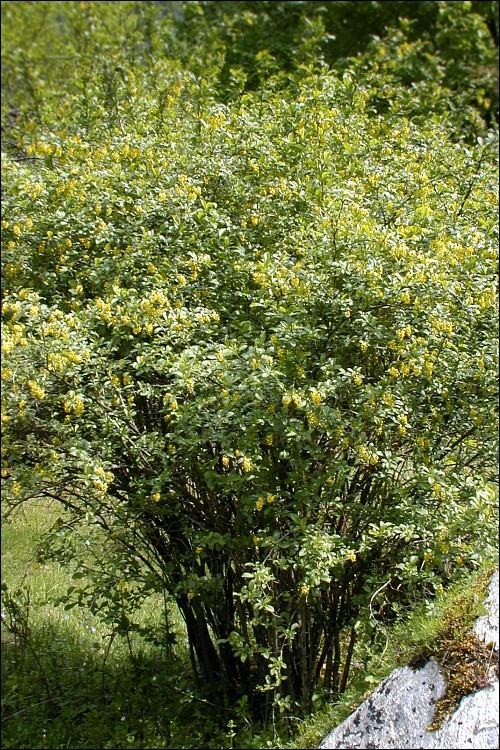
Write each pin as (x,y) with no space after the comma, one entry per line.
(255,344)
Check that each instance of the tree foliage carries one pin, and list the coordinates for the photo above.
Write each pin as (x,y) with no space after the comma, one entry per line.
(251,339)
(460,39)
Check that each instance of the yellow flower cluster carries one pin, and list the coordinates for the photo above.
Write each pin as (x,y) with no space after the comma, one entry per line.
(315,397)
(428,368)
(246,465)
(369,456)
(487,299)
(74,404)
(405,369)
(312,419)
(292,399)
(207,316)
(36,390)
(155,303)
(403,333)
(58,361)
(439,492)
(7,346)
(16,488)
(170,401)
(101,479)
(402,424)
(439,325)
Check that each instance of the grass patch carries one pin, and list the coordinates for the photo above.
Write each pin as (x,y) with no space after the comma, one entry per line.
(70,681)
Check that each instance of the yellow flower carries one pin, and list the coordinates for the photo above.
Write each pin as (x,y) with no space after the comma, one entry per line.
(156,497)
(304,590)
(363,453)
(312,419)
(36,390)
(316,397)
(428,368)
(259,503)
(225,461)
(246,465)
(7,347)
(198,550)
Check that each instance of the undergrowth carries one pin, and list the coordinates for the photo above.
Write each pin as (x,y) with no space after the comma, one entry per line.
(70,681)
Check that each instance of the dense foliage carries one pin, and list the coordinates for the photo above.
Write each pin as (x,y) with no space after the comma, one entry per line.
(252,337)
(453,43)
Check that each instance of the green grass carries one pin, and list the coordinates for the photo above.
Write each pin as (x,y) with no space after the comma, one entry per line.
(67,682)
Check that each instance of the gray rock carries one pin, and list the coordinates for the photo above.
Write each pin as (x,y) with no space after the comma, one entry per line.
(396,714)
(486,627)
